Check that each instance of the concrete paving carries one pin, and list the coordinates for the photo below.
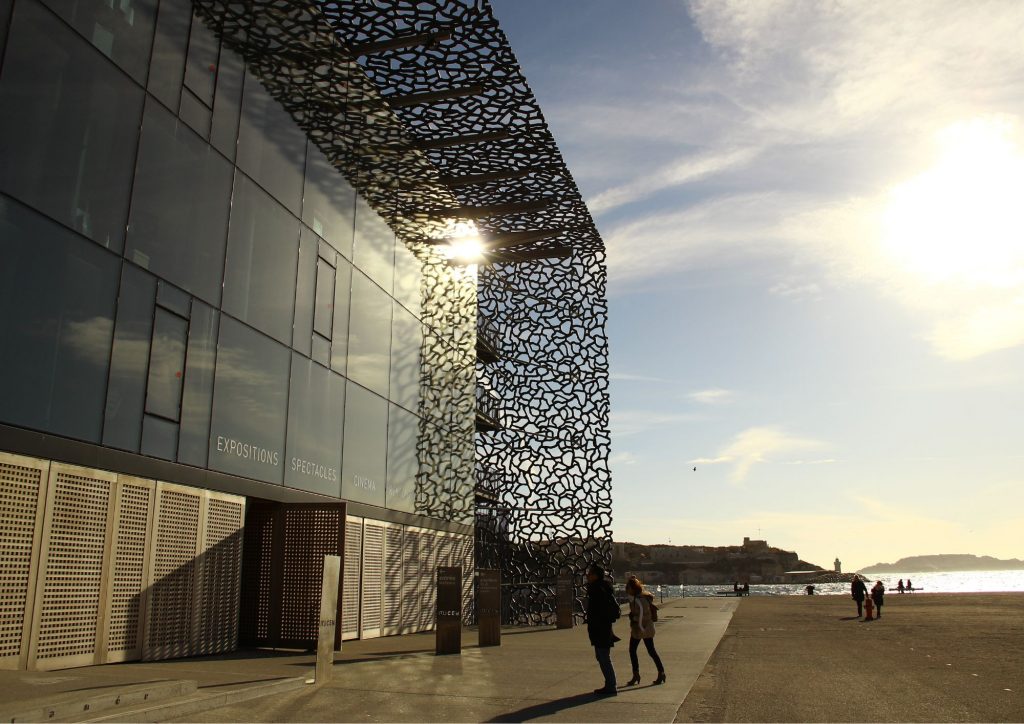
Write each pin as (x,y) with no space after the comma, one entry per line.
(535,675)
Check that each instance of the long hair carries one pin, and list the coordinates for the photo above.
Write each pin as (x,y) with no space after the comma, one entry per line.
(634,583)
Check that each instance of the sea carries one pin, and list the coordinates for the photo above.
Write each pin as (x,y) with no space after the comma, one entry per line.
(929,582)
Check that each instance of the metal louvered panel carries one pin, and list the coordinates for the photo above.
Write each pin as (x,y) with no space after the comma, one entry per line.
(219,574)
(22,488)
(130,557)
(173,590)
(372,579)
(394,577)
(465,559)
(70,584)
(350,578)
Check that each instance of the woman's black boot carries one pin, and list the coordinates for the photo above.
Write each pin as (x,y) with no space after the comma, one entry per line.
(660,679)
(635,680)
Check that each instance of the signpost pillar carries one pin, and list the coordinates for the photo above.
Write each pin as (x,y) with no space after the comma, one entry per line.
(488,606)
(328,618)
(566,595)
(449,610)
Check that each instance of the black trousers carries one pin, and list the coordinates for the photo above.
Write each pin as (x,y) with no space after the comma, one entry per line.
(634,644)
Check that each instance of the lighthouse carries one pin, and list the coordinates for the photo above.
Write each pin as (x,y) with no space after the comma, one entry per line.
(839,566)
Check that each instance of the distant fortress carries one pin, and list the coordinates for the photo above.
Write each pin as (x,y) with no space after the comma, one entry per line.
(752,562)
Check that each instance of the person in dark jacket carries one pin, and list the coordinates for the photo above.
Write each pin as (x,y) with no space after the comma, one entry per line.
(602,610)
(859,592)
(878,596)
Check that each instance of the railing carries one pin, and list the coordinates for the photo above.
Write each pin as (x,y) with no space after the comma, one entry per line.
(487,348)
(488,410)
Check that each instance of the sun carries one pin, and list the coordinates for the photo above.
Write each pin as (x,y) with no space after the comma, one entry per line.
(962,220)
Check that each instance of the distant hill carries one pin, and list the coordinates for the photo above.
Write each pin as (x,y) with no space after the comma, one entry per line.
(947,562)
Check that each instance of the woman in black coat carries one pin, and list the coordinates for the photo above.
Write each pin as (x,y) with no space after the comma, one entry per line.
(859,592)
(602,610)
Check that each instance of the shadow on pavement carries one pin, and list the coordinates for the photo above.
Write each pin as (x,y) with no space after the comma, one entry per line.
(548,707)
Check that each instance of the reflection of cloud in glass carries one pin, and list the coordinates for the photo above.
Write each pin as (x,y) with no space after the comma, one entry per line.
(90,339)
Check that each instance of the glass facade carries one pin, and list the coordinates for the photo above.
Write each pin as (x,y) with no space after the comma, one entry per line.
(185,276)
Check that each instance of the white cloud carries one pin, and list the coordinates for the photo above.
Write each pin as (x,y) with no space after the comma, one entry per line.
(757,445)
(629,377)
(634,422)
(682,171)
(713,396)
(622,458)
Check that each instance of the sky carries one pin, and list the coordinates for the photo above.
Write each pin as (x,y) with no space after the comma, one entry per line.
(815,230)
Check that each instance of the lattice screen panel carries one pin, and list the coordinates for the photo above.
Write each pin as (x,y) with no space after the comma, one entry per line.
(134,499)
(394,577)
(173,590)
(22,484)
(257,564)
(310,533)
(219,575)
(350,578)
(71,568)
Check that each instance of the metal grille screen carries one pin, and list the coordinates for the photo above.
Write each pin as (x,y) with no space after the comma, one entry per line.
(394,577)
(21,485)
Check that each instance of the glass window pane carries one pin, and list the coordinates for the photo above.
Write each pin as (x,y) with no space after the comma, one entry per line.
(369,337)
(321,350)
(167,67)
(271,148)
(121,29)
(323,318)
(374,244)
(342,302)
(58,293)
(179,216)
(403,460)
(195,114)
(197,394)
(364,458)
(5,19)
(173,299)
(166,365)
(316,417)
(68,127)
(328,204)
(250,404)
(126,391)
(408,279)
(406,348)
(305,291)
(263,250)
(227,103)
(201,62)
(159,438)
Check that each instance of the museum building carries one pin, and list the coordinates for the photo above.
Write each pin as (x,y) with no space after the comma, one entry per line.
(238,331)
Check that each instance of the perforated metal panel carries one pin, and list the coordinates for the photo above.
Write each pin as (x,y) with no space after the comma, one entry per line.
(350,578)
(70,583)
(134,499)
(310,533)
(394,578)
(22,485)
(257,572)
(220,574)
(173,590)
(372,579)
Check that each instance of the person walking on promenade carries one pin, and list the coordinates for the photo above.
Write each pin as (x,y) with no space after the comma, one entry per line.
(910,586)
(878,596)
(641,628)
(602,610)
(899,586)
(859,592)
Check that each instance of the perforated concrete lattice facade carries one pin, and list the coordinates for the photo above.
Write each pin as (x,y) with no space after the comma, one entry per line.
(125,568)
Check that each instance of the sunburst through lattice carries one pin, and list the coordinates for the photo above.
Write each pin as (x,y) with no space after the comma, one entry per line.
(423,107)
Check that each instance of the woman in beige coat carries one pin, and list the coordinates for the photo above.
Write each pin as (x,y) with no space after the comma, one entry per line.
(641,628)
